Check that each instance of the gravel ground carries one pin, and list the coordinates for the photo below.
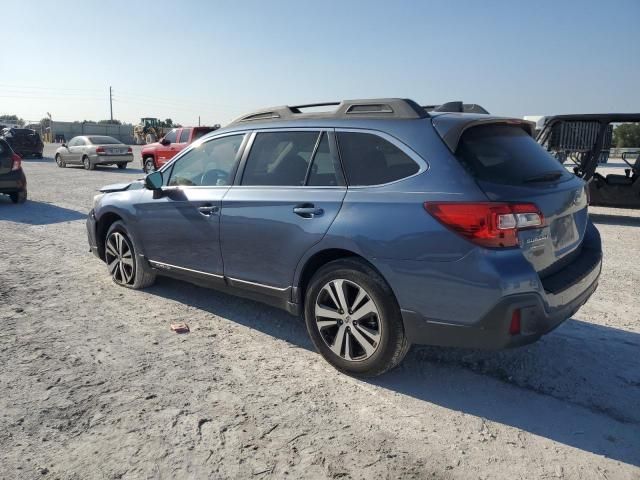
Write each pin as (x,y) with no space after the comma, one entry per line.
(95,385)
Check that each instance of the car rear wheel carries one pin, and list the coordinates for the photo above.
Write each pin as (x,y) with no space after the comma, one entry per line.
(149,166)
(18,197)
(87,163)
(353,318)
(60,162)
(125,267)
(122,166)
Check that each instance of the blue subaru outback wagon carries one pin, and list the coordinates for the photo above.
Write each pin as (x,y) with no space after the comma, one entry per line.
(382,222)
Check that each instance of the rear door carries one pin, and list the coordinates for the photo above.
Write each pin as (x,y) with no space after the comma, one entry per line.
(6,162)
(75,149)
(510,166)
(289,193)
(184,138)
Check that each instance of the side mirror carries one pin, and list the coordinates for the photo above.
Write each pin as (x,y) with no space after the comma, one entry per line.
(64,145)
(165,142)
(153,181)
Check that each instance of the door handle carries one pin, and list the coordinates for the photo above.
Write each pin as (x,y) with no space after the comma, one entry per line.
(208,210)
(307,210)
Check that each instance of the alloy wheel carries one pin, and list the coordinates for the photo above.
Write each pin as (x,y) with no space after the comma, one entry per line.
(348,320)
(119,257)
(149,166)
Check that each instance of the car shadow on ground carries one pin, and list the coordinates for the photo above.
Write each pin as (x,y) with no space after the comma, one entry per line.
(36,213)
(579,385)
(110,169)
(38,160)
(608,219)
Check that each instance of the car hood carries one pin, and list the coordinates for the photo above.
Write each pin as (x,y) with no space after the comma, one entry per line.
(151,146)
(121,187)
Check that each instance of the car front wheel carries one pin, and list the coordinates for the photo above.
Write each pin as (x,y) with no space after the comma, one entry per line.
(149,166)
(353,318)
(60,162)
(125,267)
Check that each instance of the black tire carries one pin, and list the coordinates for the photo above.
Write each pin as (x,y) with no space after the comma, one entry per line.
(87,163)
(18,197)
(140,274)
(60,162)
(122,166)
(148,165)
(392,345)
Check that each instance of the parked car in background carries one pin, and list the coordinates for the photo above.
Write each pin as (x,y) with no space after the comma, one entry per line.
(24,141)
(13,181)
(155,155)
(383,223)
(92,150)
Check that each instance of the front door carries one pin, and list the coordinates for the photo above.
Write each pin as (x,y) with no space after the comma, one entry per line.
(289,194)
(168,151)
(179,227)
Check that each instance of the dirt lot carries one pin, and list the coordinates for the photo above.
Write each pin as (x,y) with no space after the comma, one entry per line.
(95,385)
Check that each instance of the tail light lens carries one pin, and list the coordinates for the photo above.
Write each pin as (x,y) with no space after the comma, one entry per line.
(514,326)
(488,224)
(17,162)
(100,150)
(129,150)
(588,192)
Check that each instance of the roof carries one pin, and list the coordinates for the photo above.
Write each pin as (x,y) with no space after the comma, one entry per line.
(373,108)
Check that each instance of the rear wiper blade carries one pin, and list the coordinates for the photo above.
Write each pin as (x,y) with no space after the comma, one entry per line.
(544,177)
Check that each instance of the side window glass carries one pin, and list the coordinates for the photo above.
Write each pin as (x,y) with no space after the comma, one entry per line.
(171,136)
(184,136)
(371,160)
(279,158)
(324,169)
(209,164)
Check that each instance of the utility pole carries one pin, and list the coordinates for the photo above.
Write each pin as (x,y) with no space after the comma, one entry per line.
(111,103)
(198,120)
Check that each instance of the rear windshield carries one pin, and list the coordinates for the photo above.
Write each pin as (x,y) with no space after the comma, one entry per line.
(506,154)
(101,140)
(16,132)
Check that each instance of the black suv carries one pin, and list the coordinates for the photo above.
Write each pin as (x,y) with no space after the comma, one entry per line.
(24,141)
(12,179)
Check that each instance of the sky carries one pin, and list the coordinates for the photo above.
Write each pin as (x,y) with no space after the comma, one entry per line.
(219,59)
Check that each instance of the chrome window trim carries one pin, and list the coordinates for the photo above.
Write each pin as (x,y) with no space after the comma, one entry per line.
(423,165)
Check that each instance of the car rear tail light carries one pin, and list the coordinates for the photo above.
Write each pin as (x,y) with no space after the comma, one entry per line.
(514,326)
(489,224)
(100,150)
(588,192)
(17,162)
(129,150)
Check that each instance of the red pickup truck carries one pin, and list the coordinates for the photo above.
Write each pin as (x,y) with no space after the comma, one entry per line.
(157,154)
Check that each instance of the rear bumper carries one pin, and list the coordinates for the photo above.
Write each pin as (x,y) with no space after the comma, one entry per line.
(91,234)
(29,151)
(538,317)
(110,159)
(12,182)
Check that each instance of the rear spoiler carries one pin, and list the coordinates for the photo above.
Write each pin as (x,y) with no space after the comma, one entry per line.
(450,127)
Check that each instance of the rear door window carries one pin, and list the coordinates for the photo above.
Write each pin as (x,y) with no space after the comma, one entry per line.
(325,169)
(369,159)
(184,136)
(280,158)
(506,154)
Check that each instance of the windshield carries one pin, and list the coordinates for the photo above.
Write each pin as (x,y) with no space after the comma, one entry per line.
(507,154)
(103,140)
